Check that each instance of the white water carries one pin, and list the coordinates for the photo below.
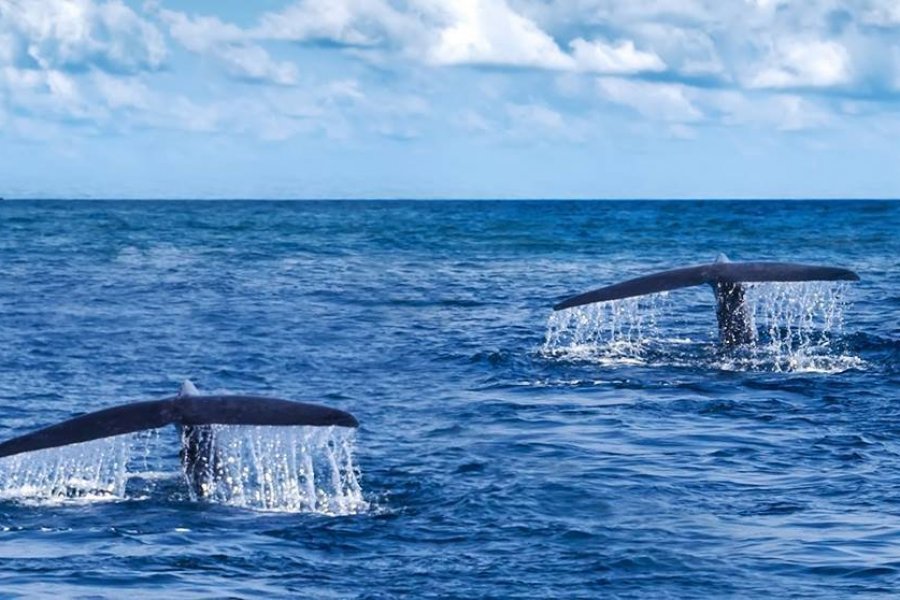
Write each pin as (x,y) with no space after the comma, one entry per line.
(797,325)
(85,472)
(618,331)
(290,469)
(294,469)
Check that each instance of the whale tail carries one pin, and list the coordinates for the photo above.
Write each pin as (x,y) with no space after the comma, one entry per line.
(188,408)
(725,277)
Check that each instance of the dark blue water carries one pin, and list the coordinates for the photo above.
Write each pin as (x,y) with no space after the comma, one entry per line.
(609,452)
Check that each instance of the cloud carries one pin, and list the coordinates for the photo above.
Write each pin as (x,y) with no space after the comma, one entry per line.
(798,64)
(345,22)
(78,34)
(228,45)
(52,53)
(883,13)
(437,32)
(201,33)
(684,50)
(448,33)
(253,63)
(521,122)
(119,93)
(622,58)
(656,101)
(799,114)
(587,14)
(491,33)
(758,44)
(52,94)
(786,112)
(473,122)
(536,119)
(554,66)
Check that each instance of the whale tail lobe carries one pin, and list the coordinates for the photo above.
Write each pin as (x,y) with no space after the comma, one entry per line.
(185,409)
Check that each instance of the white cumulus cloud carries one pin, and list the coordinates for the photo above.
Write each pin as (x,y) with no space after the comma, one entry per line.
(491,33)
(75,34)
(797,64)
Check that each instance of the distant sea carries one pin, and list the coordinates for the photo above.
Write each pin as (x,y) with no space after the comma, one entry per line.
(505,451)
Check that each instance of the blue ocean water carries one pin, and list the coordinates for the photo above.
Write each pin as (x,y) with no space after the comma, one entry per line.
(504,451)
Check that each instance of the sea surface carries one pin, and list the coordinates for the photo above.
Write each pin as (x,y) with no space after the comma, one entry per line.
(504,450)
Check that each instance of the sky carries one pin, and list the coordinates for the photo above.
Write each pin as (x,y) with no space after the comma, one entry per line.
(450,99)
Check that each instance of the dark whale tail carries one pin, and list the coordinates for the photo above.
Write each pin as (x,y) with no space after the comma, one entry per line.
(719,272)
(186,410)
(725,277)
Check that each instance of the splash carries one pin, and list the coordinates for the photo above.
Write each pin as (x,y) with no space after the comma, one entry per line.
(288,469)
(293,469)
(91,471)
(799,329)
(620,331)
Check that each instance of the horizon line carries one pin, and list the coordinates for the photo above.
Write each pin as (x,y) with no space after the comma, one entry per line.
(451,199)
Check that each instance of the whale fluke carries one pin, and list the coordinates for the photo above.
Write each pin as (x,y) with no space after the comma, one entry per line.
(719,272)
(92,426)
(725,277)
(257,410)
(640,286)
(751,272)
(186,410)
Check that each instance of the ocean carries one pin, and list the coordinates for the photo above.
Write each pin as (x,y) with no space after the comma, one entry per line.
(504,450)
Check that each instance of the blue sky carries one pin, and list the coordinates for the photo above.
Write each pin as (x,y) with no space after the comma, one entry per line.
(450,98)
